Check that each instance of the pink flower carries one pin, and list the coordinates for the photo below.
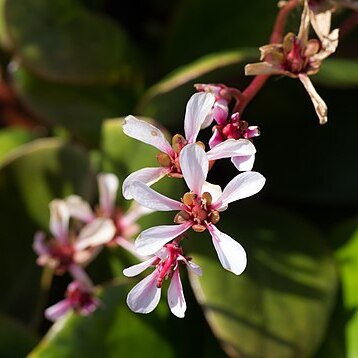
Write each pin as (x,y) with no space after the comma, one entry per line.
(145,296)
(200,208)
(79,298)
(125,223)
(67,251)
(198,109)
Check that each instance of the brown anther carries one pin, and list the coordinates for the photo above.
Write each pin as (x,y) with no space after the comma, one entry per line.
(178,143)
(207,198)
(200,214)
(198,228)
(188,199)
(164,159)
(181,217)
(200,144)
(214,217)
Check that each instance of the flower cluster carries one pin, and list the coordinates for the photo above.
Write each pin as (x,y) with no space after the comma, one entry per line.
(72,247)
(202,205)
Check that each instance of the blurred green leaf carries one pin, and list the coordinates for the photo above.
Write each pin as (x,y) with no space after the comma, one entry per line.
(112,331)
(62,41)
(166,100)
(15,340)
(80,109)
(280,306)
(30,178)
(338,73)
(11,138)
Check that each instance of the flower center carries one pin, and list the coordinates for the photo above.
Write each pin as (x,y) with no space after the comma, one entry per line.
(79,297)
(235,128)
(62,254)
(198,210)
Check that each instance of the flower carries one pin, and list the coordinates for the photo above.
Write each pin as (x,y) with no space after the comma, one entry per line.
(198,109)
(68,251)
(125,223)
(79,298)
(298,57)
(200,208)
(145,296)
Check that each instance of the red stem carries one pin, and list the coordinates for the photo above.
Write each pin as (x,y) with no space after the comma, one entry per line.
(276,37)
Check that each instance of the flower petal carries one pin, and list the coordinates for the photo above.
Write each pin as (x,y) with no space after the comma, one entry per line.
(242,186)
(39,244)
(231,254)
(176,299)
(318,103)
(191,265)
(152,240)
(145,296)
(147,176)
(80,276)
(231,148)
(58,310)
(139,268)
(244,163)
(151,199)
(108,187)
(198,108)
(194,165)
(215,139)
(96,233)
(214,190)
(59,219)
(146,133)
(79,208)
(134,213)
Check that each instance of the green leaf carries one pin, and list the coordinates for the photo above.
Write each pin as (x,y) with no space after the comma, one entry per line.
(280,306)
(11,138)
(112,331)
(81,109)
(62,41)
(15,339)
(30,178)
(166,100)
(338,73)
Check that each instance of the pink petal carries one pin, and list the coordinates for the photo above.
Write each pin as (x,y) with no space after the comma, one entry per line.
(108,187)
(58,310)
(146,133)
(221,111)
(79,208)
(145,296)
(80,276)
(147,176)
(151,199)
(231,254)
(59,219)
(215,139)
(242,186)
(139,268)
(153,239)
(39,244)
(191,265)
(176,300)
(197,109)
(96,233)
(244,163)
(194,165)
(231,148)
(134,213)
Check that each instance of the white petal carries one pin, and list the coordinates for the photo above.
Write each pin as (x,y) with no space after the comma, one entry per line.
(213,189)
(145,296)
(242,186)
(151,240)
(146,133)
(194,165)
(231,148)
(108,187)
(59,219)
(139,268)
(147,176)
(176,300)
(191,265)
(151,199)
(96,233)
(134,213)
(79,208)
(244,163)
(198,108)
(231,254)
(58,310)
